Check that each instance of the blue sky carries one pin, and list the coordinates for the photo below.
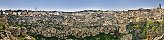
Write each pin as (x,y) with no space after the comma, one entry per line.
(76,5)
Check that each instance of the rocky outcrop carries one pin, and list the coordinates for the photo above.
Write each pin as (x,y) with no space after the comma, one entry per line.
(159,38)
(127,37)
(6,35)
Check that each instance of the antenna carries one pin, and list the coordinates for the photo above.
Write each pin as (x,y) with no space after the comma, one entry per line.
(35,5)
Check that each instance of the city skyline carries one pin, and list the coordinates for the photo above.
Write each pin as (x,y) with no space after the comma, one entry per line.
(78,5)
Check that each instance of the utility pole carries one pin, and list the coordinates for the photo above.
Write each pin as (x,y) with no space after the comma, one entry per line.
(35,5)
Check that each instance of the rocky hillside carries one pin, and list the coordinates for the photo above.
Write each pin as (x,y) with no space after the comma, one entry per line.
(92,24)
(12,33)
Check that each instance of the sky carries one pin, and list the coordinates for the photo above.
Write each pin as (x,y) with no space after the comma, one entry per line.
(77,5)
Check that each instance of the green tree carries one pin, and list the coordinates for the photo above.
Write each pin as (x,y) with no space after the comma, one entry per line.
(1,26)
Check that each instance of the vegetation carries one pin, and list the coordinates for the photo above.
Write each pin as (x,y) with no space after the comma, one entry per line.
(143,27)
(1,26)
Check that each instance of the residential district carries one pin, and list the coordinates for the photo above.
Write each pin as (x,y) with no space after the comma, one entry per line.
(139,24)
